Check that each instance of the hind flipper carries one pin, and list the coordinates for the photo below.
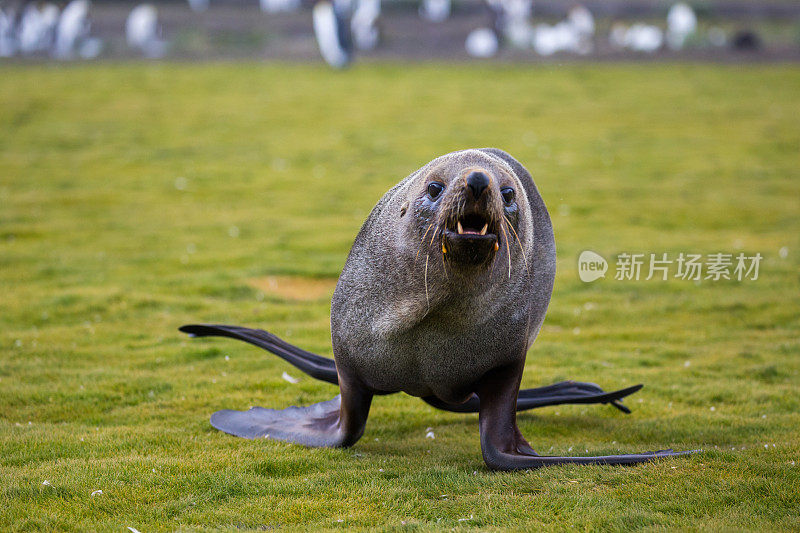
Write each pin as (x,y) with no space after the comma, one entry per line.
(314,365)
(565,392)
(573,392)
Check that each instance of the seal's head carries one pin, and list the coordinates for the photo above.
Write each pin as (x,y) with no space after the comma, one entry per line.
(471,205)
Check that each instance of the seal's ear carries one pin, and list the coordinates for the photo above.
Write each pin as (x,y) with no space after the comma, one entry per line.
(403,208)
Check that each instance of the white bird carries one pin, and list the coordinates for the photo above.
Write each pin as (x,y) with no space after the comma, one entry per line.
(435,10)
(574,35)
(516,22)
(582,20)
(331,35)
(73,27)
(482,43)
(365,31)
(681,24)
(141,31)
(563,37)
(37,27)
(644,38)
(279,6)
(517,9)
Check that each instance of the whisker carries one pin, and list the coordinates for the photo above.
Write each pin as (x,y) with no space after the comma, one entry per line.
(423,241)
(427,298)
(519,242)
(433,237)
(508,249)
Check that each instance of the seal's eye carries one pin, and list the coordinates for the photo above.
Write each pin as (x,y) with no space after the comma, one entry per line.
(435,189)
(508,195)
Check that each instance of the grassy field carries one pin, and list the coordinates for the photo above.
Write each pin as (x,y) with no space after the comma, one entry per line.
(137,198)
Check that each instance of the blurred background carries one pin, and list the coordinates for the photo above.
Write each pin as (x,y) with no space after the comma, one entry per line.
(340,30)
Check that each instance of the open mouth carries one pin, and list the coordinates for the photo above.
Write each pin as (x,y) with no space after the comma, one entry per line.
(472,226)
(470,239)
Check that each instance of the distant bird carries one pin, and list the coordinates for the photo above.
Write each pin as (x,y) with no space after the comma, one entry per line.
(363,24)
(559,38)
(332,30)
(574,35)
(142,32)
(514,23)
(73,28)
(482,43)
(582,20)
(681,24)
(435,10)
(37,28)
(644,38)
(279,6)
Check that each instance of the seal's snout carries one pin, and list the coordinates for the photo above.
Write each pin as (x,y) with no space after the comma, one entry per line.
(477,183)
(471,220)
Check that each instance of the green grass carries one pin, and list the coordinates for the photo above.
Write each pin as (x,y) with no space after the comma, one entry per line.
(102,257)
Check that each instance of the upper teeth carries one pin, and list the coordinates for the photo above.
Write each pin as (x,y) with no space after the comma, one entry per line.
(483,231)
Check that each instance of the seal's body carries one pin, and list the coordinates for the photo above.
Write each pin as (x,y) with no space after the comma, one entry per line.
(442,295)
(405,319)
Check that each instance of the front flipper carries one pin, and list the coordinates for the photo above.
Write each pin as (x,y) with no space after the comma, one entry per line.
(316,425)
(565,392)
(504,447)
(339,422)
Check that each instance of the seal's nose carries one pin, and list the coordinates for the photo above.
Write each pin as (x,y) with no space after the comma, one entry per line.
(477,182)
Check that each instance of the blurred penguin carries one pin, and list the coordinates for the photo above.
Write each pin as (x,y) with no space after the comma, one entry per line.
(364,24)
(142,31)
(435,10)
(515,23)
(574,35)
(279,6)
(73,31)
(482,43)
(681,24)
(37,28)
(332,30)
(644,38)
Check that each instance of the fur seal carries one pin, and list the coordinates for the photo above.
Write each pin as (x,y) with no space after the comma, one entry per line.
(444,291)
